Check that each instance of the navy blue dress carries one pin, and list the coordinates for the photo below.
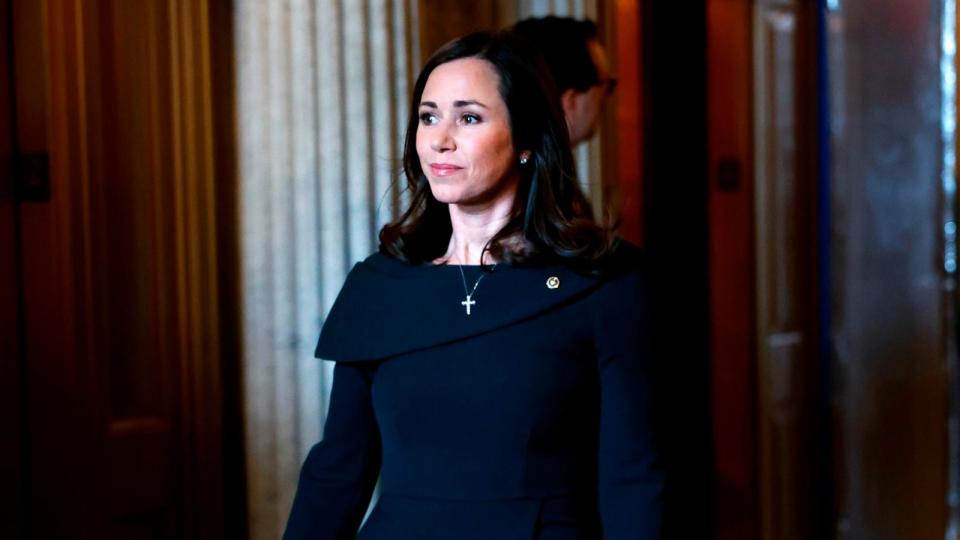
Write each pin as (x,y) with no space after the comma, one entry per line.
(530,418)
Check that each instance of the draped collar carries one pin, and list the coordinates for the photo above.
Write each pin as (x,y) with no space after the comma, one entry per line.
(388,307)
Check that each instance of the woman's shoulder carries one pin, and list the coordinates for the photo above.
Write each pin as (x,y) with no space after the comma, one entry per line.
(378,260)
(625,256)
(383,264)
(620,260)
(625,274)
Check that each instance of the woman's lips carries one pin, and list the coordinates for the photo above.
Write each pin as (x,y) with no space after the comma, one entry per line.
(443,169)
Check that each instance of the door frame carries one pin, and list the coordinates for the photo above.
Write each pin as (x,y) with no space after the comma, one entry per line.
(12,455)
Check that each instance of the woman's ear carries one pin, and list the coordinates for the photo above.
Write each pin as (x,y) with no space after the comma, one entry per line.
(525,156)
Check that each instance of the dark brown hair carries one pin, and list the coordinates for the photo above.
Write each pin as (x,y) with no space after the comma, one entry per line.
(551,217)
(564,43)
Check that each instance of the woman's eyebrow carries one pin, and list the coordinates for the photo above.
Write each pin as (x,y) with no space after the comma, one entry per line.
(463,103)
(459,104)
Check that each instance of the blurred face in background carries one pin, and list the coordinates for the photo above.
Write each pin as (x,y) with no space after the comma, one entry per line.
(584,109)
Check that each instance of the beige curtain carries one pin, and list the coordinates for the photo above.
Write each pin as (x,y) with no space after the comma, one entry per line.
(322,91)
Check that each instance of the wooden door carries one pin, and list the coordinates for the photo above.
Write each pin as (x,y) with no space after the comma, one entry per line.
(732,273)
(119,270)
(765,364)
(788,362)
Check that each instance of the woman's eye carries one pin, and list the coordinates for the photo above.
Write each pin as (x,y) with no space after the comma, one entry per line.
(470,118)
(427,118)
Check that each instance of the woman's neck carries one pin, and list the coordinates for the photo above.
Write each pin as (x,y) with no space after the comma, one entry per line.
(472,229)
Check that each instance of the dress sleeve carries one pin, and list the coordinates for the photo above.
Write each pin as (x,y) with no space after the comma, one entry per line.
(340,472)
(629,469)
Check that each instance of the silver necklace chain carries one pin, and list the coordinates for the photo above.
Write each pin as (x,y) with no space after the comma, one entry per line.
(468,302)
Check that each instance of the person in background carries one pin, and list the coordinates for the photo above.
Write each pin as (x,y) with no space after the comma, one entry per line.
(578,63)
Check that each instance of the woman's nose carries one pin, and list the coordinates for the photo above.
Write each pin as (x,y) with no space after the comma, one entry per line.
(442,139)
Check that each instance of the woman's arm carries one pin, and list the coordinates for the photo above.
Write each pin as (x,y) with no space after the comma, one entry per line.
(340,471)
(630,473)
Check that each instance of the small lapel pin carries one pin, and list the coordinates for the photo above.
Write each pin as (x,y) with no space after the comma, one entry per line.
(553,282)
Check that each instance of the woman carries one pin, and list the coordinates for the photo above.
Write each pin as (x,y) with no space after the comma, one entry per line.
(491,358)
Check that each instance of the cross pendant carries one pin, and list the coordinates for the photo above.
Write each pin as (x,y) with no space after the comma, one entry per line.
(468,302)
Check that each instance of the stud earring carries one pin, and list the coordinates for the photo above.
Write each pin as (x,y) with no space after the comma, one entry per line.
(524,158)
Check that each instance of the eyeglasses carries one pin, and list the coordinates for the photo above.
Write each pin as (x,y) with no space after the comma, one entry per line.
(610,84)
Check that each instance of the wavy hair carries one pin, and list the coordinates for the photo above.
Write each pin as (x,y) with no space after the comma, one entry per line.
(551,218)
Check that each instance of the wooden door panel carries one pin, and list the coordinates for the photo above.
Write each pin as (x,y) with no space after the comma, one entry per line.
(62,477)
(142,421)
(732,273)
(762,232)
(787,361)
(143,479)
(120,276)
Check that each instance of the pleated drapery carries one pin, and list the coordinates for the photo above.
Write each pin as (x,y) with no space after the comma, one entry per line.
(323,92)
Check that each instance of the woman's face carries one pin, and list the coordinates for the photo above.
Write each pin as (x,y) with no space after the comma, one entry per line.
(463,139)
